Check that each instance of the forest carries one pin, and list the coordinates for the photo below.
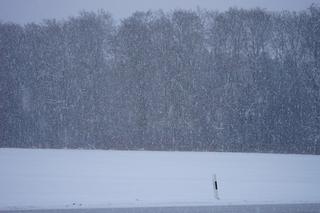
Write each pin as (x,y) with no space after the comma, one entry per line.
(241,80)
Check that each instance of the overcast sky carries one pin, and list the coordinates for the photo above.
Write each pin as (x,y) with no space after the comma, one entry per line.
(25,11)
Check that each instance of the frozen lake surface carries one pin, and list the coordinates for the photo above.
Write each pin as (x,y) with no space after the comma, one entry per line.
(90,179)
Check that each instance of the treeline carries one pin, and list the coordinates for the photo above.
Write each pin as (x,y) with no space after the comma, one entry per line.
(240,80)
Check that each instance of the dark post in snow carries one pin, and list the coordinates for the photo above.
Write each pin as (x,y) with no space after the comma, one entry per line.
(215,186)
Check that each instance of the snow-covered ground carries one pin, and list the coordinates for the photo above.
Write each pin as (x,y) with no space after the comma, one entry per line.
(41,179)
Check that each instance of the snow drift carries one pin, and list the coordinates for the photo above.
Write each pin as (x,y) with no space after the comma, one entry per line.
(42,179)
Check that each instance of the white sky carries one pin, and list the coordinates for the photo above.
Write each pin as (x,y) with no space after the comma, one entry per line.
(24,11)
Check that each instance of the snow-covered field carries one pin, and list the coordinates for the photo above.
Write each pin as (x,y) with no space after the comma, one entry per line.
(42,179)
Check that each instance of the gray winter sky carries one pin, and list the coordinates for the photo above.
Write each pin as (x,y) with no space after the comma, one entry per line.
(24,11)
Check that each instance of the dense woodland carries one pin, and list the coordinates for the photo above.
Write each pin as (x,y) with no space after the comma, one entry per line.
(239,80)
